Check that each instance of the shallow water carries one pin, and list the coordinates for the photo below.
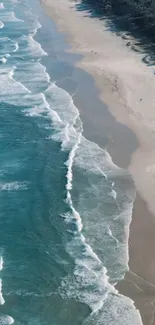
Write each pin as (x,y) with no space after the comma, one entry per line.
(65,207)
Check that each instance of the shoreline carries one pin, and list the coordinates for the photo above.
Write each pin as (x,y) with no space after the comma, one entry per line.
(140,288)
(125,83)
(139,281)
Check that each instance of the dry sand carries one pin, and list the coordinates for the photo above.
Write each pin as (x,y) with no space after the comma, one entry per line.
(127,85)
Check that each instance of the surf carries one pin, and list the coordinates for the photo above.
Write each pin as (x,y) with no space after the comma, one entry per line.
(26,83)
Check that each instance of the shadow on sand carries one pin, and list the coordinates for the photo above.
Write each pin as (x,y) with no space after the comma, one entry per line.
(138,38)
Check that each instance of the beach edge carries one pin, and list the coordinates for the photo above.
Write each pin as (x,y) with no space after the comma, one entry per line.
(135,284)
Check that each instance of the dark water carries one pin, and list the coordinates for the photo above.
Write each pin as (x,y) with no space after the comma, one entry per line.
(65,208)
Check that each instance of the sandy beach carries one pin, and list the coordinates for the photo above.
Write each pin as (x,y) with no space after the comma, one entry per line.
(127,86)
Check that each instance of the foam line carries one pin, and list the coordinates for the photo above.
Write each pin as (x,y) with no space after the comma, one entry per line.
(1,263)
(1,25)
(2,301)
(1,5)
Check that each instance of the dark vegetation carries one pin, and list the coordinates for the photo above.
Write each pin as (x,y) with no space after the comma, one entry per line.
(136,16)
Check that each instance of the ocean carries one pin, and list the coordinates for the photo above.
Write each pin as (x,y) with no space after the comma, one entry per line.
(65,207)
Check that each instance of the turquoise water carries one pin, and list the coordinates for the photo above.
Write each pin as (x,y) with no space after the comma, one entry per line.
(65,208)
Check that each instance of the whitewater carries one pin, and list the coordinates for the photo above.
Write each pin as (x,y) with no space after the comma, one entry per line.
(25,83)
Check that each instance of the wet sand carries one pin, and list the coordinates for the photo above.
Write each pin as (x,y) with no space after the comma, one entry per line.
(130,142)
(139,282)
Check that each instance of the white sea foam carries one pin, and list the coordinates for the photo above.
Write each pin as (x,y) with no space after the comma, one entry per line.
(62,102)
(32,20)
(14,18)
(10,90)
(1,263)
(6,320)
(65,116)
(9,17)
(2,301)
(52,113)
(2,5)
(19,84)
(10,320)
(13,186)
(95,161)
(33,46)
(89,269)
(7,46)
(1,25)
(11,73)
(87,264)
(87,156)
(113,194)
(118,310)
(36,24)
(111,235)
(16,47)
(102,173)
(3,60)
(69,177)
(33,76)
(90,272)
(90,285)
(99,161)
(35,111)
(36,104)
